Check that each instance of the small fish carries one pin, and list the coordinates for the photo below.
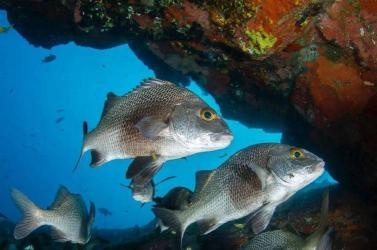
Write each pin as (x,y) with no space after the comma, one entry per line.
(11,91)
(59,110)
(224,155)
(4,29)
(282,239)
(59,120)
(145,192)
(49,58)
(3,217)
(177,198)
(105,211)
(253,182)
(67,216)
(142,193)
(156,122)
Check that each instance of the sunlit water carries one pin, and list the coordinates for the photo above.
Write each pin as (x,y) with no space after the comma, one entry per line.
(38,153)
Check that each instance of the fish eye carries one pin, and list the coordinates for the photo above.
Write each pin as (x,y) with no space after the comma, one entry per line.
(291,175)
(207,114)
(296,153)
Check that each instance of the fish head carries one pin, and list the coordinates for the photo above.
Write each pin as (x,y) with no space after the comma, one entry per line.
(142,193)
(198,127)
(294,167)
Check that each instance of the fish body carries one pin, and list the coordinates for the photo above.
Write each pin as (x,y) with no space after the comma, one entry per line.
(177,198)
(254,182)
(285,240)
(142,193)
(105,211)
(67,216)
(3,217)
(156,122)
(49,58)
(5,29)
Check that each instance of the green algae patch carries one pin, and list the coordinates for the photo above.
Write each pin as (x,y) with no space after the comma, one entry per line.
(259,41)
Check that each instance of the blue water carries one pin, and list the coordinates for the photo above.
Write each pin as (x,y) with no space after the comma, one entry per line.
(37,154)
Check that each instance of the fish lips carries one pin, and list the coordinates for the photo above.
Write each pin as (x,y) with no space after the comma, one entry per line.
(222,140)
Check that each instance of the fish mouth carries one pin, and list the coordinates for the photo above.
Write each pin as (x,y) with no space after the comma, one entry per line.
(222,138)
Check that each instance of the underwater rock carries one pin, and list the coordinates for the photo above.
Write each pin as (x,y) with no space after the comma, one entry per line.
(306,68)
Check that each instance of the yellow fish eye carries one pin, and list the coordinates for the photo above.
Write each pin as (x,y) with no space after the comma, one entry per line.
(296,153)
(207,114)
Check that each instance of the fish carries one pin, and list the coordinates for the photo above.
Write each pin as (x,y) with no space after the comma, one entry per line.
(4,29)
(177,198)
(3,217)
(224,155)
(49,58)
(283,239)
(144,193)
(155,122)
(252,182)
(59,120)
(59,110)
(67,216)
(105,211)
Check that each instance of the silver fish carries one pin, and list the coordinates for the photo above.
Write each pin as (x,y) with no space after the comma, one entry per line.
(285,240)
(67,216)
(156,122)
(144,193)
(253,182)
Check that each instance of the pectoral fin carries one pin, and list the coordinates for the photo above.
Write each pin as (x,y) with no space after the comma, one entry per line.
(262,218)
(152,127)
(143,168)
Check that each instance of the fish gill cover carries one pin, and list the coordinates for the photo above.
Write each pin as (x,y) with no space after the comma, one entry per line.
(267,65)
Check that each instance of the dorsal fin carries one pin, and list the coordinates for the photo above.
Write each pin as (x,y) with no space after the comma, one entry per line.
(60,197)
(111,98)
(202,178)
(151,83)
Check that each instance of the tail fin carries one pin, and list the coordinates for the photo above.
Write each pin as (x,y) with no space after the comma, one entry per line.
(85,132)
(171,219)
(30,220)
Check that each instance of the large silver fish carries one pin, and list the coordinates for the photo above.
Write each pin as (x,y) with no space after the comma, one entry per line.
(67,216)
(156,122)
(285,240)
(253,182)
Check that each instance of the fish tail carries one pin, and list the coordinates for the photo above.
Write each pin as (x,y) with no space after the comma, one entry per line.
(83,150)
(172,219)
(31,218)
